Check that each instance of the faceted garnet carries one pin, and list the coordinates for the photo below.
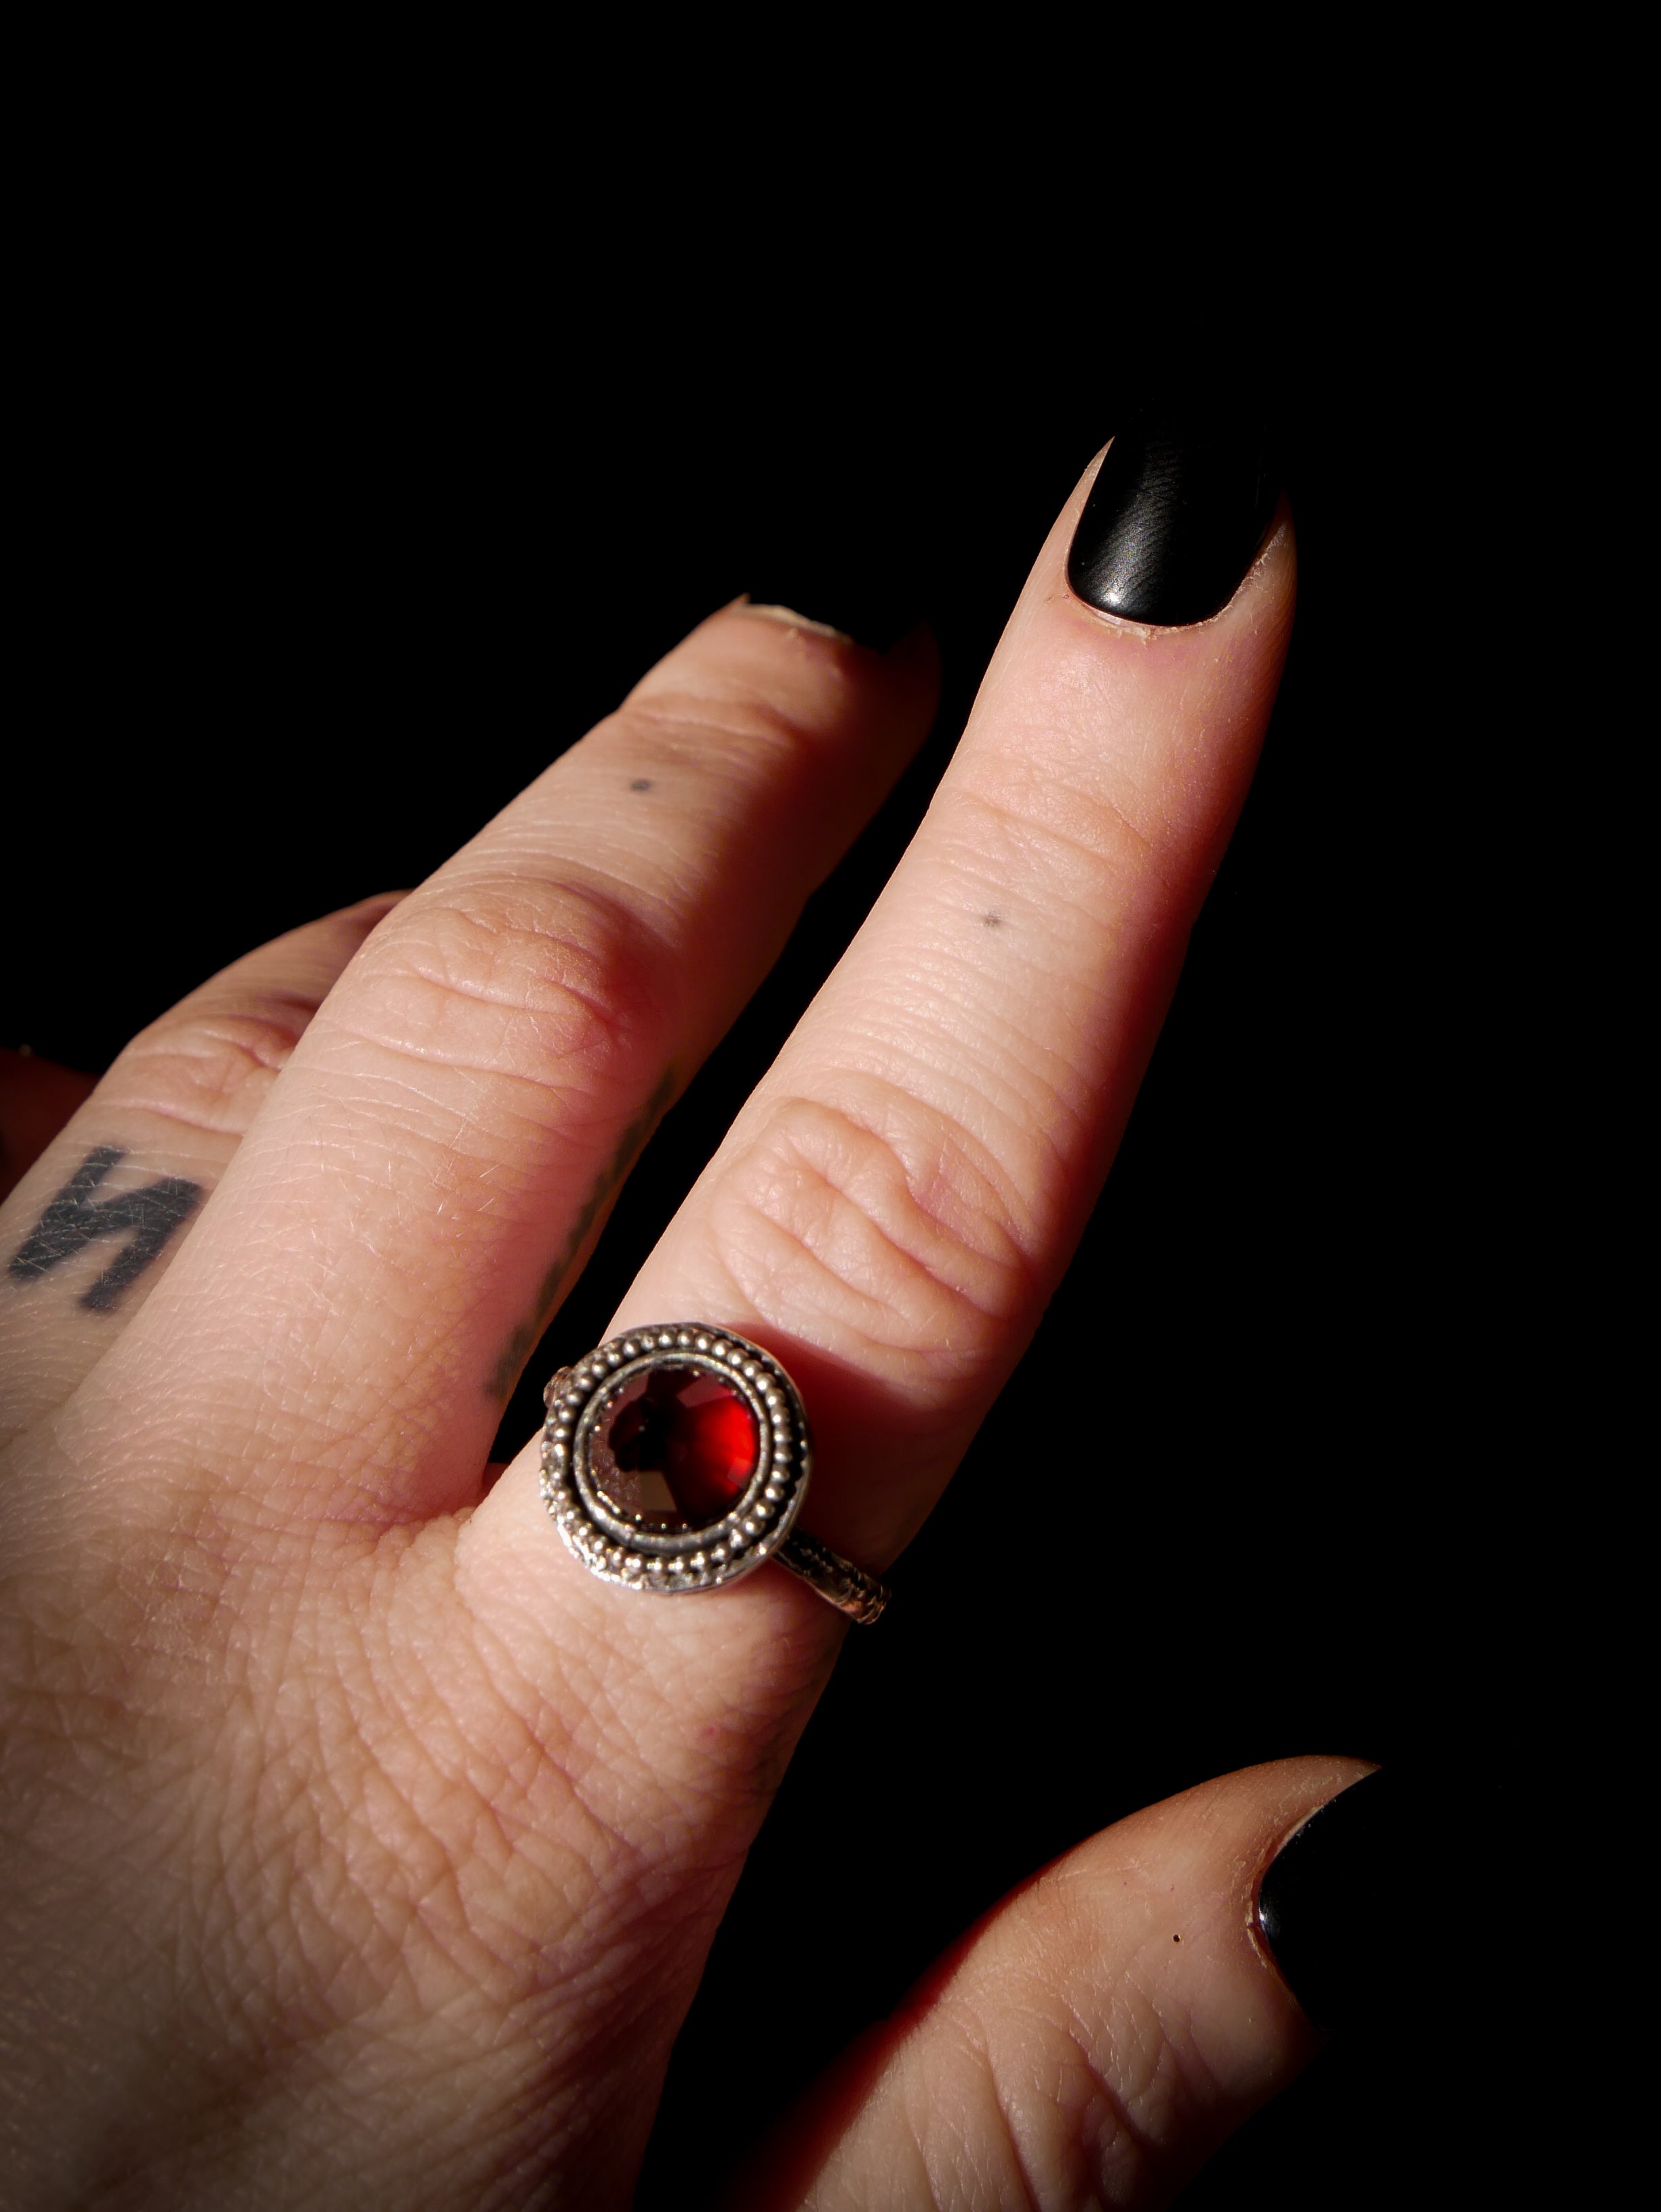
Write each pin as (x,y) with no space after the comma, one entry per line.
(694,1435)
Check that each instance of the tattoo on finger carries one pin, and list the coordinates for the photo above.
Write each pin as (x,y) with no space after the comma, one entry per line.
(148,1217)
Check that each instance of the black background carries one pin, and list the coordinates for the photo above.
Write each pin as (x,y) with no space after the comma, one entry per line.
(325,566)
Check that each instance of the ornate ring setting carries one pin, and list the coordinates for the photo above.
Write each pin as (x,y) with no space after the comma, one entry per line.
(677,1458)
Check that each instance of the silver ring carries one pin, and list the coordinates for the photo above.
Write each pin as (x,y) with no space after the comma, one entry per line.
(677,1458)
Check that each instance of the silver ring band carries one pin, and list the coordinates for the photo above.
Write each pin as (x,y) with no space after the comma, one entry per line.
(677,1458)
(837,1580)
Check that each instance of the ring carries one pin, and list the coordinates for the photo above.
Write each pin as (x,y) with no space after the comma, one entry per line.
(677,1458)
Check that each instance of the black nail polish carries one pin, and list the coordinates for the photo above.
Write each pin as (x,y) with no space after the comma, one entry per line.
(1174,519)
(1333,1905)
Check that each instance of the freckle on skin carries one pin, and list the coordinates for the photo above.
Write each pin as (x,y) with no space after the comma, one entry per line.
(641,783)
(993,921)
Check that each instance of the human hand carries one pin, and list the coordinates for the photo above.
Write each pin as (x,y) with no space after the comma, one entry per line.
(369,1846)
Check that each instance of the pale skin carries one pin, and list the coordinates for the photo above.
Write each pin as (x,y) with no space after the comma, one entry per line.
(360,1847)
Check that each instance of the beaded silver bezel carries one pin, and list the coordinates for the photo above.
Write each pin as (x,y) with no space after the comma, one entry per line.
(629,1549)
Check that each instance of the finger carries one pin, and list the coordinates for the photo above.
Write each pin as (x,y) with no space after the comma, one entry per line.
(1093,2040)
(895,1206)
(442,1147)
(90,1229)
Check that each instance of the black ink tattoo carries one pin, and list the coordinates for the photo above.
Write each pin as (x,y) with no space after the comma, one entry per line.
(151,1217)
(523,1342)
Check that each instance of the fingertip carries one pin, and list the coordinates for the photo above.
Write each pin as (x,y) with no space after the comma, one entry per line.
(873,704)
(788,619)
(875,622)
(1109,2024)
(1329,1902)
(911,650)
(1178,508)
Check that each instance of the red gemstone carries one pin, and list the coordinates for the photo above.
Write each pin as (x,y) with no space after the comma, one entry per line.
(695,1432)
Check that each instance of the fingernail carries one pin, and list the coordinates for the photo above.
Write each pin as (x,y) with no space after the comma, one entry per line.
(872,617)
(1331,1907)
(788,619)
(1175,520)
